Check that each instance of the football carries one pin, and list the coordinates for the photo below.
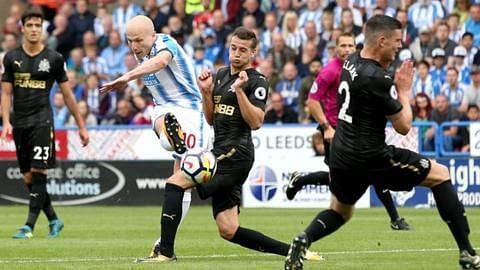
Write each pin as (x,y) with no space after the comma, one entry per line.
(198,166)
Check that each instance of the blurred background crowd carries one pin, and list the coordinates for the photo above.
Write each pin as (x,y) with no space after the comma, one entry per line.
(297,38)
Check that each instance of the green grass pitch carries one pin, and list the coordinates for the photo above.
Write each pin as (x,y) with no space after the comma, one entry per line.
(112,237)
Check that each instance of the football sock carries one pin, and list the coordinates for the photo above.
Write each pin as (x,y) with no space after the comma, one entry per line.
(453,213)
(29,186)
(48,209)
(386,198)
(325,223)
(258,241)
(187,198)
(315,178)
(170,219)
(37,197)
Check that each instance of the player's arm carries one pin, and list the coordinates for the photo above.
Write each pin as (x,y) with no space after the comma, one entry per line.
(402,120)
(150,66)
(72,106)
(205,82)
(7,89)
(251,114)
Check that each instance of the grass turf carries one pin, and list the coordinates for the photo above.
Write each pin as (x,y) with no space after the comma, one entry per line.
(112,237)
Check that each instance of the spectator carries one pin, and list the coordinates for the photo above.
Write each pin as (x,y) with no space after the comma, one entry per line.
(77,88)
(88,117)
(438,70)
(98,28)
(62,38)
(459,63)
(425,13)
(472,115)
(9,42)
(158,18)
(442,41)
(100,105)
(422,110)
(337,13)
(453,21)
(221,30)
(249,22)
(200,63)
(310,35)
(11,26)
(462,8)
(123,115)
(282,7)
(452,89)
(280,53)
(114,55)
(315,67)
(472,24)
(213,50)
(420,44)
(472,94)
(144,111)
(123,13)
(266,35)
(93,64)
(279,113)
(107,26)
(327,25)
(252,7)
(291,32)
(81,21)
(467,43)
(75,61)
(89,39)
(266,68)
(309,53)
(289,86)
(60,110)
(422,83)
(409,32)
(313,13)
(443,112)
(346,23)
(383,6)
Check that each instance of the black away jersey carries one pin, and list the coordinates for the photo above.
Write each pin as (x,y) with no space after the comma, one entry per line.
(32,78)
(232,134)
(366,95)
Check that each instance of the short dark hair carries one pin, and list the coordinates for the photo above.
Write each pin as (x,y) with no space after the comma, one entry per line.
(380,25)
(467,34)
(33,12)
(453,68)
(245,34)
(423,62)
(473,106)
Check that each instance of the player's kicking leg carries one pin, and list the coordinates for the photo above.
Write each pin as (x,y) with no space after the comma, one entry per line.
(296,181)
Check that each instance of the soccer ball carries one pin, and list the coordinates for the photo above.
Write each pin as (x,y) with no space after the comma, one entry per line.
(198,166)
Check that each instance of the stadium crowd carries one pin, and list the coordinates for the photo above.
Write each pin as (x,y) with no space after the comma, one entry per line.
(297,38)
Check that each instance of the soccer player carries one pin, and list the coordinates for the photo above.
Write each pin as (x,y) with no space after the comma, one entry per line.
(30,71)
(177,119)
(324,92)
(359,157)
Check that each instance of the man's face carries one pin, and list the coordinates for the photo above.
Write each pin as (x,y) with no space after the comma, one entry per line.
(452,77)
(391,45)
(467,42)
(345,47)
(473,114)
(289,71)
(441,103)
(241,52)
(140,42)
(32,30)
(442,33)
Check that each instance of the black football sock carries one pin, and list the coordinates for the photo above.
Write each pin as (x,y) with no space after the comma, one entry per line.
(453,213)
(315,178)
(29,187)
(37,197)
(170,219)
(325,223)
(48,209)
(258,241)
(386,198)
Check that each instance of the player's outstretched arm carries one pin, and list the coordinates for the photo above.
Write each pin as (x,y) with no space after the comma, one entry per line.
(402,121)
(205,82)
(250,113)
(72,106)
(150,66)
(7,89)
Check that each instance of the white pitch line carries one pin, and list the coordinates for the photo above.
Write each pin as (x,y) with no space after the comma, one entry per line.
(211,256)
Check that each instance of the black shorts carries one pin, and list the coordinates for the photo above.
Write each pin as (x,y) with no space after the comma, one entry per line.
(399,170)
(226,186)
(35,147)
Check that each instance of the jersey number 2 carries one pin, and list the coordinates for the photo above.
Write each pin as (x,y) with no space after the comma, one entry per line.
(343,111)
(40,153)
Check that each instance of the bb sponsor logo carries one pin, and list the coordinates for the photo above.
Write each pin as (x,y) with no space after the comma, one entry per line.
(70,184)
(263,183)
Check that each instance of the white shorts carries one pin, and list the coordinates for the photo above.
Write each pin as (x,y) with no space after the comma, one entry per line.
(197,132)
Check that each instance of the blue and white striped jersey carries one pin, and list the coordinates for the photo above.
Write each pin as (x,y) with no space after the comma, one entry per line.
(175,84)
